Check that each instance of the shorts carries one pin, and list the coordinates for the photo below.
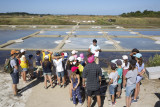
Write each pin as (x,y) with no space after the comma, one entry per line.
(112,89)
(90,93)
(47,74)
(130,89)
(125,72)
(24,69)
(61,74)
(15,77)
(139,78)
(119,87)
(39,68)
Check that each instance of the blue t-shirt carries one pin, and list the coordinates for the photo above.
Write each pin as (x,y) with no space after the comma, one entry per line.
(38,59)
(120,71)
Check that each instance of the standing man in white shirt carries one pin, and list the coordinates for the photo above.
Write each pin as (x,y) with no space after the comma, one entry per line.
(95,49)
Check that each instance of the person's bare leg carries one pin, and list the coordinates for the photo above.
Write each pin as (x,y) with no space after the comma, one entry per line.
(124,82)
(112,98)
(70,90)
(37,73)
(14,86)
(89,101)
(63,80)
(129,101)
(59,80)
(99,100)
(25,76)
(50,81)
(136,90)
(45,81)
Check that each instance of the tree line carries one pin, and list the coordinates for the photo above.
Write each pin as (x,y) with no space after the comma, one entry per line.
(145,13)
(22,14)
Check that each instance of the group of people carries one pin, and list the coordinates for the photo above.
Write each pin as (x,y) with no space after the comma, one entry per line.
(127,74)
(82,73)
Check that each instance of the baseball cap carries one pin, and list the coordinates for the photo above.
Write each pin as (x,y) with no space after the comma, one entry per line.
(74,52)
(138,55)
(90,59)
(124,57)
(30,56)
(135,50)
(74,68)
(71,58)
(113,66)
(22,50)
(46,57)
(82,55)
(14,52)
(79,59)
(119,62)
(62,54)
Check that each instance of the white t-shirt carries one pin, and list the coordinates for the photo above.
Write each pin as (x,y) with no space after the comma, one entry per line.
(124,66)
(58,65)
(93,49)
(114,76)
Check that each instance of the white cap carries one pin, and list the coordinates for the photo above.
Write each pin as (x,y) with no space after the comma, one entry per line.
(23,56)
(124,57)
(46,57)
(65,54)
(74,52)
(71,58)
(22,50)
(79,59)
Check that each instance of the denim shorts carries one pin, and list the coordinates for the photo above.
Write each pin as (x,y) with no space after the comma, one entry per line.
(112,89)
(46,74)
(24,69)
(61,74)
(130,89)
(15,78)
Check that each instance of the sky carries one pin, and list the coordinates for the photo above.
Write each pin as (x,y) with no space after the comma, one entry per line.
(83,7)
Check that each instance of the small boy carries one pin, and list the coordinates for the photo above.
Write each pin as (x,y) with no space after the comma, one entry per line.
(38,63)
(113,82)
(119,71)
(31,68)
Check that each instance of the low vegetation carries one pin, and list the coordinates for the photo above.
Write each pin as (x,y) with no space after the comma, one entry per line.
(154,61)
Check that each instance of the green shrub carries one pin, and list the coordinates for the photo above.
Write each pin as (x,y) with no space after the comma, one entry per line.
(154,61)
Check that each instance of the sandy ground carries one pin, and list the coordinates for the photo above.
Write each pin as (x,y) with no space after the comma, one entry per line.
(35,95)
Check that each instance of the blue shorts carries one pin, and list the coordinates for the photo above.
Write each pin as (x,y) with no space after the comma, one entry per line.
(15,78)
(24,69)
(130,89)
(46,73)
(112,89)
(61,74)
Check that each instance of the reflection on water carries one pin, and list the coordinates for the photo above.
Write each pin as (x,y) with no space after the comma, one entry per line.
(53,33)
(140,43)
(6,35)
(149,33)
(37,43)
(121,33)
(87,33)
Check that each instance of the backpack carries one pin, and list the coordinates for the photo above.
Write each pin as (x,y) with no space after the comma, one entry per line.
(7,66)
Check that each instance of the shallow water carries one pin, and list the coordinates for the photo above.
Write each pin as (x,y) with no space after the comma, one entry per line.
(87,33)
(140,43)
(6,35)
(120,33)
(84,43)
(37,43)
(54,33)
(150,33)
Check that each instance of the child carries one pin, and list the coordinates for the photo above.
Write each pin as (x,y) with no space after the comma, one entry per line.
(31,68)
(125,66)
(141,70)
(47,71)
(119,70)
(24,64)
(38,64)
(74,53)
(83,63)
(113,82)
(75,80)
(80,67)
(57,60)
(131,81)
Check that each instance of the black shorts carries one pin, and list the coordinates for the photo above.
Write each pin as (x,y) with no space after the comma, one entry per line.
(90,93)
(15,78)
